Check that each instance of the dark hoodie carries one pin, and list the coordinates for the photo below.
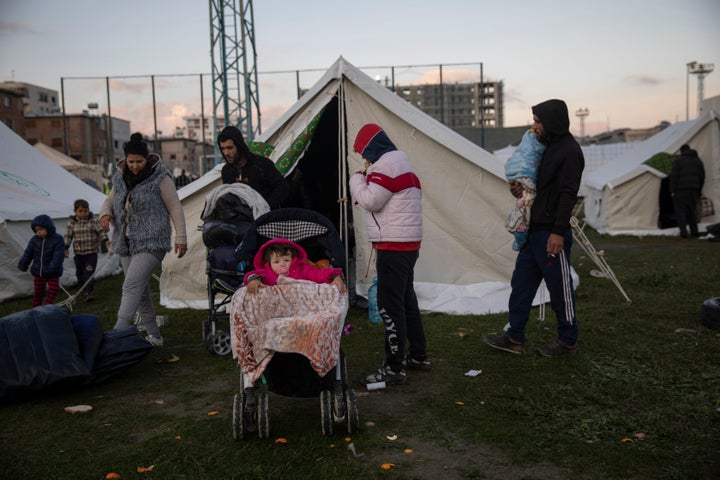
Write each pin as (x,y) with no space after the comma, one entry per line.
(259,172)
(560,170)
(687,173)
(46,254)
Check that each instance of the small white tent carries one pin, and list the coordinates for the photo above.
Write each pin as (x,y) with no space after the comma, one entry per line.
(86,173)
(466,258)
(626,196)
(30,185)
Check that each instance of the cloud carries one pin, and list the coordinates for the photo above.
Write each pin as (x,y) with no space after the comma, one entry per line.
(643,80)
(133,86)
(449,76)
(9,28)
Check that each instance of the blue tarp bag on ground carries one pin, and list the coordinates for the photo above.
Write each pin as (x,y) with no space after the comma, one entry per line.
(38,350)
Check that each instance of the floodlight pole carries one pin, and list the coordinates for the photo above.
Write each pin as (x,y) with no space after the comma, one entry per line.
(581,114)
(701,70)
(688,66)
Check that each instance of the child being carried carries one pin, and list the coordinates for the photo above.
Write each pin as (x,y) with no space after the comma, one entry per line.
(522,167)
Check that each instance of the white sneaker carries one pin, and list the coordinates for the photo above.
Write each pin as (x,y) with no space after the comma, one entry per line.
(155,341)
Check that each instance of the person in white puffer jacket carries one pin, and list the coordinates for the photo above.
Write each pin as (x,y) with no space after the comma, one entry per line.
(390,192)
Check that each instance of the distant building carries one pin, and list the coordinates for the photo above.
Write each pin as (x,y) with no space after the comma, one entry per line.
(11,110)
(458,105)
(178,154)
(625,135)
(81,136)
(194,130)
(205,157)
(36,100)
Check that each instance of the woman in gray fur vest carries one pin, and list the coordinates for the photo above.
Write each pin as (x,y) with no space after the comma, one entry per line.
(141,204)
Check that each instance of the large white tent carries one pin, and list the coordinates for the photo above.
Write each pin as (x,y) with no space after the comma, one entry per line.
(31,184)
(86,173)
(626,196)
(466,259)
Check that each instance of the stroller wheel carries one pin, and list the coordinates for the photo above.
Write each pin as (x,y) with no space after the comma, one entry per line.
(353,415)
(263,420)
(219,343)
(238,409)
(326,412)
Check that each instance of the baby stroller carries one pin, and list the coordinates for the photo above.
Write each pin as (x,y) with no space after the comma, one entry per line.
(229,211)
(284,371)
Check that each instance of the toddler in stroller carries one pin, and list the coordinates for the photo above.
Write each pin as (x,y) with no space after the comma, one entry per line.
(286,336)
(229,211)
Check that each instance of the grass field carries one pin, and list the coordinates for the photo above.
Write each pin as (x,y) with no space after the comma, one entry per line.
(640,400)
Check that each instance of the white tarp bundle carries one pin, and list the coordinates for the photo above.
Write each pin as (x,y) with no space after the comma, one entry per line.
(466,258)
(624,196)
(30,185)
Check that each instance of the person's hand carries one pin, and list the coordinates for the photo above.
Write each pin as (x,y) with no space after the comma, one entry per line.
(253,286)
(555,245)
(105,222)
(180,250)
(67,253)
(516,189)
(338,282)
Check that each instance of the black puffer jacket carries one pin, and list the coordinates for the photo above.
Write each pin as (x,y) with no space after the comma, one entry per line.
(259,172)
(560,170)
(687,173)
(44,256)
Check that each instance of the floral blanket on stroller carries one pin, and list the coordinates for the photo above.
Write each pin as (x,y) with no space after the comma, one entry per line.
(294,316)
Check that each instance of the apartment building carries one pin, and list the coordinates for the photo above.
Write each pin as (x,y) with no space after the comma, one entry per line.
(458,105)
(195,124)
(11,111)
(81,136)
(178,154)
(36,100)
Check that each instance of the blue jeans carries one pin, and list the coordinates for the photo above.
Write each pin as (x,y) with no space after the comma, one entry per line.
(532,266)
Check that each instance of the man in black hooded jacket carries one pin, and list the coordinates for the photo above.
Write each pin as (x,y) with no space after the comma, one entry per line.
(246,167)
(546,254)
(687,177)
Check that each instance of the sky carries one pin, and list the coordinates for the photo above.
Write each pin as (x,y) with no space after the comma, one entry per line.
(625,61)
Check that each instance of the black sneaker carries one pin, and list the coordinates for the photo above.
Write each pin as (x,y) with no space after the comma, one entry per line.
(385,374)
(414,364)
(557,349)
(504,343)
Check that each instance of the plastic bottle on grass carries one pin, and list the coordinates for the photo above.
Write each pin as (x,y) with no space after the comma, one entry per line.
(373,313)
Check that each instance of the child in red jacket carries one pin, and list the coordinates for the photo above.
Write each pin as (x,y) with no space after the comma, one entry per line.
(280,257)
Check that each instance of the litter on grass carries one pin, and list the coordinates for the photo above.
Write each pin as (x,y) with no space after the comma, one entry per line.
(351,447)
(473,373)
(78,409)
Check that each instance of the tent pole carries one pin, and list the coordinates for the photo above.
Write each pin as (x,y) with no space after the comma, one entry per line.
(342,169)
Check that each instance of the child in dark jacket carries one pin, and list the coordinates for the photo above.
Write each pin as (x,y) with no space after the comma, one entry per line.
(280,257)
(44,255)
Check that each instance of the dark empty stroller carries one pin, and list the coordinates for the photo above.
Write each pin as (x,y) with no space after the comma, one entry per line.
(229,211)
(296,326)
